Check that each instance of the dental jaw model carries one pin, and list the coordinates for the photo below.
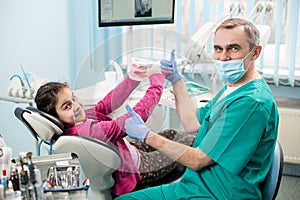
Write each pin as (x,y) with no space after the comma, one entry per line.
(138,67)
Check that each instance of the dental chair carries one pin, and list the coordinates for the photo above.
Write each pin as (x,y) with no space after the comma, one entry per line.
(272,182)
(97,159)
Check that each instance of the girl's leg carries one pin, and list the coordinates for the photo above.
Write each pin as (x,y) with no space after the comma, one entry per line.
(155,165)
(170,134)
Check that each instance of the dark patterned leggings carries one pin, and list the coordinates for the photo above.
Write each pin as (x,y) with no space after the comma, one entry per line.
(154,165)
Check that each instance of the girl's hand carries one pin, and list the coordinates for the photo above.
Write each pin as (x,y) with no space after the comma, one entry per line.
(135,127)
(154,69)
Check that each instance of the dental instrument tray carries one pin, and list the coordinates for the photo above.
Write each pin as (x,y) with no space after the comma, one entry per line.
(63,177)
(194,89)
(64,181)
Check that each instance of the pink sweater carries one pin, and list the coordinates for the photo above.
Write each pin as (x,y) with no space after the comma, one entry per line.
(102,127)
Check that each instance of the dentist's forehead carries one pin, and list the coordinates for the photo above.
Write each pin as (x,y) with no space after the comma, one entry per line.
(227,37)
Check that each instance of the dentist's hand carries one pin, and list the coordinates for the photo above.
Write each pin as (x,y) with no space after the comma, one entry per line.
(135,126)
(170,66)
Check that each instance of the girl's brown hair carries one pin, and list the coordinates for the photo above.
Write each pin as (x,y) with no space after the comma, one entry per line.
(45,98)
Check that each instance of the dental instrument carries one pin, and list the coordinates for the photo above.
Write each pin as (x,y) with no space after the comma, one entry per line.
(24,179)
(194,89)
(32,173)
(26,77)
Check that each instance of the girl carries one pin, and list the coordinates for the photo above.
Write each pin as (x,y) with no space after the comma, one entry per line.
(58,100)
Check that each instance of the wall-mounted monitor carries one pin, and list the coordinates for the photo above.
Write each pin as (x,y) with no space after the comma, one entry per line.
(135,12)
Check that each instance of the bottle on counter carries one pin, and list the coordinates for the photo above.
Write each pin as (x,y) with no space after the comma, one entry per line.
(4,177)
(9,191)
(14,178)
(2,191)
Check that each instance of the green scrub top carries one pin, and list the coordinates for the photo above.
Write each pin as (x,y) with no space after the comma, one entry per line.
(239,133)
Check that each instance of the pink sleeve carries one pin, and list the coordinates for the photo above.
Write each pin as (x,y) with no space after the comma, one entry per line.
(152,97)
(144,108)
(115,98)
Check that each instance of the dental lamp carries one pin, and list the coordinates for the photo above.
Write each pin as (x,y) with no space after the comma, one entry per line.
(200,49)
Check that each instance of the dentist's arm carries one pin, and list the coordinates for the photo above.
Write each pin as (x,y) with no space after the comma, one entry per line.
(191,157)
(184,105)
(185,108)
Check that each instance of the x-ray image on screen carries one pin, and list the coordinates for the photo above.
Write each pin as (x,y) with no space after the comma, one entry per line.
(143,8)
(135,12)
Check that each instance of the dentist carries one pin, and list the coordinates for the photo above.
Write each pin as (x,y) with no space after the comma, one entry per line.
(237,129)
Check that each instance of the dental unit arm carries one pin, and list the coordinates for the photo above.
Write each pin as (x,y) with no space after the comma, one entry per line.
(97,167)
(22,89)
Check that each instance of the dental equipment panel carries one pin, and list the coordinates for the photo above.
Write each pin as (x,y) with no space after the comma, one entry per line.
(23,88)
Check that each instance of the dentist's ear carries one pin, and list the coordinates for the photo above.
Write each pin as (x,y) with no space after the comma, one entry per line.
(256,52)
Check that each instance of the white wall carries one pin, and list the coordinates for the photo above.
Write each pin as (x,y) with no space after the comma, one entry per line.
(36,34)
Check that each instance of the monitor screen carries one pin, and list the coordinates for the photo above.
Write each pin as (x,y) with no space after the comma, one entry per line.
(135,12)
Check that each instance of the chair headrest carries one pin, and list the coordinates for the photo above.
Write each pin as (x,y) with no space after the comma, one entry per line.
(41,124)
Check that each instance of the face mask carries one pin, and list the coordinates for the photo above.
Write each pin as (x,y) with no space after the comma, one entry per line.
(232,70)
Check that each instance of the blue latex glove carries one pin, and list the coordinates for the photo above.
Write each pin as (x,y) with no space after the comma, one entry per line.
(135,126)
(170,66)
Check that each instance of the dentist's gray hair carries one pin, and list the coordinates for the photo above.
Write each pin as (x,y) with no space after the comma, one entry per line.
(251,30)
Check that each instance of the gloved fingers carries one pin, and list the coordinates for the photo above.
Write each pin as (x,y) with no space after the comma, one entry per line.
(166,67)
(130,110)
(128,124)
(172,59)
(166,63)
(136,131)
(136,118)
